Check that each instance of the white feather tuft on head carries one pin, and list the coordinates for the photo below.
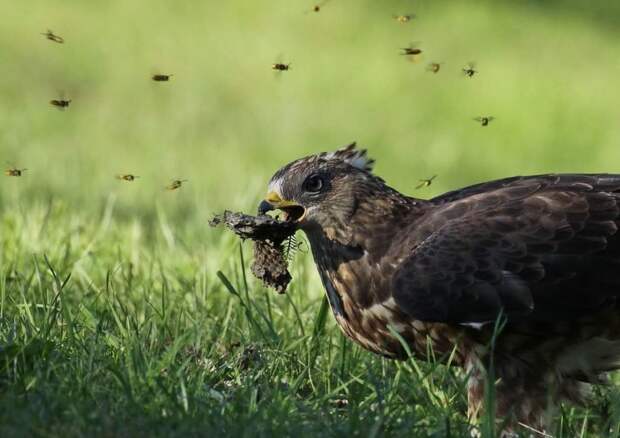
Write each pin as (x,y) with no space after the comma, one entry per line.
(357,158)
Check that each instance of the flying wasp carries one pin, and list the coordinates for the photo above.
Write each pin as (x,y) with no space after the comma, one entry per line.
(412,50)
(161,77)
(403,18)
(61,104)
(53,37)
(175,184)
(317,7)
(278,66)
(484,120)
(425,182)
(127,177)
(13,171)
(469,70)
(434,67)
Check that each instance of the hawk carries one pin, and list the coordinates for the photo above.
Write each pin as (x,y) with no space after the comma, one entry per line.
(539,253)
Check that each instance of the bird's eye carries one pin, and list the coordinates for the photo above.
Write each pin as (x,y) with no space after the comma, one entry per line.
(314,184)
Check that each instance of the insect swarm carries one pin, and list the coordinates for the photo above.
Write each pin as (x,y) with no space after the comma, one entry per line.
(127,177)
(175,184)
(484,120)
(161,77)
(425,182)
(469,70)
(52,37)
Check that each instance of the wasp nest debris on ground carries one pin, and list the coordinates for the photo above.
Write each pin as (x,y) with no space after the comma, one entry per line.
(268,235)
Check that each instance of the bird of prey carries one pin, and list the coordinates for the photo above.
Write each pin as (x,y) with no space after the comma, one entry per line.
(540,253)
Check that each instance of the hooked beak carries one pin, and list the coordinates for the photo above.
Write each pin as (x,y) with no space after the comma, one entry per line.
(293,212)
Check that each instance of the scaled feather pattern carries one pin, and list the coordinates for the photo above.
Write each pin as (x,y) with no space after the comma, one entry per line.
(541,252)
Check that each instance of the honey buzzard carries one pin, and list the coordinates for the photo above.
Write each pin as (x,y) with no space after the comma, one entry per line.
(542,252)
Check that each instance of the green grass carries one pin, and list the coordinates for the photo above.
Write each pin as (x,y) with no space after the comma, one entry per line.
(113,319)
(116,339)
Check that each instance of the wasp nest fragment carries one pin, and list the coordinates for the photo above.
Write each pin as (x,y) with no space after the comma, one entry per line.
(268,234)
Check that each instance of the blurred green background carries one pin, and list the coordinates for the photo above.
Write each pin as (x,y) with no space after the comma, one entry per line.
(145,337)
(548,71)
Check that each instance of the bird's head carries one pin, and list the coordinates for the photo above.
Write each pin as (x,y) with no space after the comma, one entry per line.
(321,189)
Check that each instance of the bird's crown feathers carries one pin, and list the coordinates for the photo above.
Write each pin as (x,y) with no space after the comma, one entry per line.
(349,154)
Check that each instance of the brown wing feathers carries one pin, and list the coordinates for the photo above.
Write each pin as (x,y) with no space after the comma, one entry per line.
(539,247)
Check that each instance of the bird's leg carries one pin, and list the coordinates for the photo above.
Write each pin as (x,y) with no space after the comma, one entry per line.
(522,401)
(527,399)
(475,386)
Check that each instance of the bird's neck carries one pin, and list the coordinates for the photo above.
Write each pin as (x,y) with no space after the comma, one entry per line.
(368,223)
(358,245)
(356,254)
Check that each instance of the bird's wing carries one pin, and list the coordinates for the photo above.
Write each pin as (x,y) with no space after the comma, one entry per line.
(489,186)
(538,247)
